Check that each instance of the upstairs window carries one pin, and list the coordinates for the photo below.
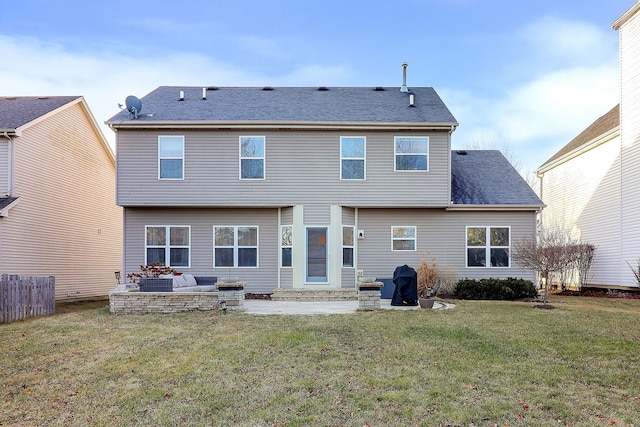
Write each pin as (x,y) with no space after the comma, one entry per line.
(411,153)
(235,246)
(252,157)
(488,246)
(352,157)
(167,245)
(171,157)
(403,238)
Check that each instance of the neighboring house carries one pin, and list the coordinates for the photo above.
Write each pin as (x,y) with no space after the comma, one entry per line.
(591,185)
(302,187)
(58,215)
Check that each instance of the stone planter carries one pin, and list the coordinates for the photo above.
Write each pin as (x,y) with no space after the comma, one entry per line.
(426,302)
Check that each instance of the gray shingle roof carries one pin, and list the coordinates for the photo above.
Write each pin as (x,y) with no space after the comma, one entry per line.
(6,201)
(19,110)
(485,177)
(292,104)
(603,124)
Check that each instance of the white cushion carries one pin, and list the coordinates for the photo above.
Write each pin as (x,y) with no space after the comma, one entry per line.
(179,282)
(191,281)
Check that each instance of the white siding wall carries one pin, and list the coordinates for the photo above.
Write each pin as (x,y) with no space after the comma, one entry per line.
(66,224)
(301,168)
(583,199)
(630,131)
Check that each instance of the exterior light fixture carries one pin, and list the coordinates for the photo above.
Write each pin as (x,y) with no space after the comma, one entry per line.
(117,273)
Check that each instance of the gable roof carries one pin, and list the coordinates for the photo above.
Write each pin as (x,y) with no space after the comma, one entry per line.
(358,105)
(597,129)
(626,16)
(485,177)
(7,203)
(17,111)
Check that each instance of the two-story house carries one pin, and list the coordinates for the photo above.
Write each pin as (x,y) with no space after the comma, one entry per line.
(591,185)
(309,187)
(58,215)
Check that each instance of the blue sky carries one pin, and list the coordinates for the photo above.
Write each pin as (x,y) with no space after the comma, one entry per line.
(522,76)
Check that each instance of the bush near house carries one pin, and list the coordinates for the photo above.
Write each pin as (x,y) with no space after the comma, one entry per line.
(495,289)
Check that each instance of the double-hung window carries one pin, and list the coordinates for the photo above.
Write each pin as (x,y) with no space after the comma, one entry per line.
(348,246)
(171,157)
(403,238)
(286,245)
(411,153)
(488,246)
(252,150)
(352,157)
(235,246)
(167,245)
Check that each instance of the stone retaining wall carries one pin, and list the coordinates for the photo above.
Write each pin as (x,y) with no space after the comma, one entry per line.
(161,302)
(125,302)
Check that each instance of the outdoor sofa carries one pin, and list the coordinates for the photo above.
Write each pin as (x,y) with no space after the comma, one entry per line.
(178,283)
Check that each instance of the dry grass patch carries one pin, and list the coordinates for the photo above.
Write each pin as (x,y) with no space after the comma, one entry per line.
(482,363)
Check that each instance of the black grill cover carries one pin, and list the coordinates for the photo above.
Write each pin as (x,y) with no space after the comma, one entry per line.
(406,280)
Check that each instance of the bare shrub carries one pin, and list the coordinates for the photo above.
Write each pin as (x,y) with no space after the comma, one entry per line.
(446,282)
(152,270)
(555,255)
(427,276)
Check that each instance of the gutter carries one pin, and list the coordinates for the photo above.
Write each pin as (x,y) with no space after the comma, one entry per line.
(536,208)
(299,125)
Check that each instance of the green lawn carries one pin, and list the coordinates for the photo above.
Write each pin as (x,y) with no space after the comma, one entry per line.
(480,364)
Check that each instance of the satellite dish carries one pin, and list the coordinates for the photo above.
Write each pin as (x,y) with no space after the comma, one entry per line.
(134,105)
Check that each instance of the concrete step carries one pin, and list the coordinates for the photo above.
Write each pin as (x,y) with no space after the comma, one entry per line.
(349,294)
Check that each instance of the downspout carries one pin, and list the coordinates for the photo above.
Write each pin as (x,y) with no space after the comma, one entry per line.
(10,163)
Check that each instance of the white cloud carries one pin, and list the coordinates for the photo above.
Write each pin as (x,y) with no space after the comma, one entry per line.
(106,78)
(568,41)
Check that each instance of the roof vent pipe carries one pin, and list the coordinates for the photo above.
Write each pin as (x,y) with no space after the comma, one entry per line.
(181,98)
(404,87)
(204,93)
(412,99)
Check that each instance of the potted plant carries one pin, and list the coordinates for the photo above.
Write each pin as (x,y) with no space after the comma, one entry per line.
(427,279)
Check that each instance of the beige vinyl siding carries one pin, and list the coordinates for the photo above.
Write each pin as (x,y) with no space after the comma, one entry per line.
(262,279)
(4,167)
(66,224)
(441,232)
(630,131)
(317,215)
(583,199)
(302,167)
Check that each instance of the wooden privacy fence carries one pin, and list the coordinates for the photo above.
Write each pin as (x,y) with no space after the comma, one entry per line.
(26,296)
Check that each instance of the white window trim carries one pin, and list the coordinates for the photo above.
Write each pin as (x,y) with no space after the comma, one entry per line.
(415,239)
(364,159)
(171,158)
(353,247)
(236,247)
(395,154)
(327,231)
(263,158)
(487,247)
(286,246)
(167,246)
